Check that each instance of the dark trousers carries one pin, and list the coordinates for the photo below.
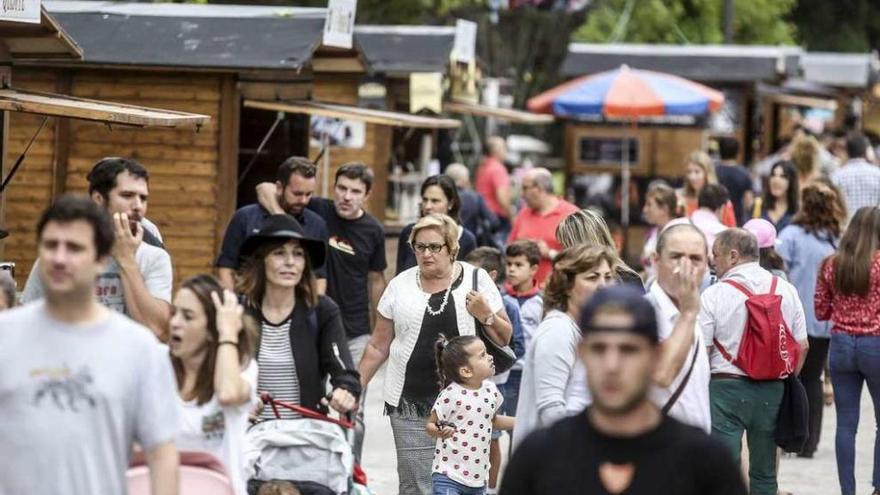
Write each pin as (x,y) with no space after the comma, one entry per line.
(811,377)
(743,405)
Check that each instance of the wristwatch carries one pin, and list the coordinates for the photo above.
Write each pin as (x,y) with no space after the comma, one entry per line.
(489,321)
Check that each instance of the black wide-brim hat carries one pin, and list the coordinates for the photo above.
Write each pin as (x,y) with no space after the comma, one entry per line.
(285,228)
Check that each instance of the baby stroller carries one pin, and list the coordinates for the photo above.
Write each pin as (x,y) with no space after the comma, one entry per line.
(200,472)
(313,452)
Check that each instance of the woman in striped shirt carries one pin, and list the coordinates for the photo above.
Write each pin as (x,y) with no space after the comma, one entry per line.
(301,337)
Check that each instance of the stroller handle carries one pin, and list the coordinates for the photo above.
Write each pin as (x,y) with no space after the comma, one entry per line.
(267,398)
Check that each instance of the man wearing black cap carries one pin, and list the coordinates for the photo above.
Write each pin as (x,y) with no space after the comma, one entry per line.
(622,443)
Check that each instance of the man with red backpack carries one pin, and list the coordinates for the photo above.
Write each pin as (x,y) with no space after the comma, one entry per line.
(753,323)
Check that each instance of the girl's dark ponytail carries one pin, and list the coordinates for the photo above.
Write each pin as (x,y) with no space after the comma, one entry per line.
(439,346)
(450,356)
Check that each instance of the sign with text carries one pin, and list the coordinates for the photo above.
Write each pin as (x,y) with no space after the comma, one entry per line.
(339,23)
(20,11)
(425,91)
(464,48)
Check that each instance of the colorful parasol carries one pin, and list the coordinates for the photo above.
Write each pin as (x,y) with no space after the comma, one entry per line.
(627,92)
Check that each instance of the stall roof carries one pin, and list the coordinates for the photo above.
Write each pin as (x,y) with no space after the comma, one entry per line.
(50,104)
(406,49)
(706,63)
(191,35)
(38,41)
(382,117)
(853,70)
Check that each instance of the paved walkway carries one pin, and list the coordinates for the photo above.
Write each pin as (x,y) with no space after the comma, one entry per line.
(817,476)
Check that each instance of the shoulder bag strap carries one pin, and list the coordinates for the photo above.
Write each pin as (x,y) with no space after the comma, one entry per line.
(678,391)
(738,286)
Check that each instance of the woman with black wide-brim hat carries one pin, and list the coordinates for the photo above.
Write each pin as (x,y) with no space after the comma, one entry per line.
(301,337)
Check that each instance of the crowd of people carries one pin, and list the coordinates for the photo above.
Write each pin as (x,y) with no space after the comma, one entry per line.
(527,321)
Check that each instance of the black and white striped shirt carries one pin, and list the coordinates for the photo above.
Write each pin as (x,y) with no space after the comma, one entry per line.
(278,369)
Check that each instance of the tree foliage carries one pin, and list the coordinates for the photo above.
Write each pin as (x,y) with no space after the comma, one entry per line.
(839,25)
(687,22)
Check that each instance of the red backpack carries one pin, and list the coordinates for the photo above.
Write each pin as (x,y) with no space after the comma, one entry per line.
(767,349)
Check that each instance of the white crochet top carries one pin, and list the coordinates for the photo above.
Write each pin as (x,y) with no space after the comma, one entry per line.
(404,304)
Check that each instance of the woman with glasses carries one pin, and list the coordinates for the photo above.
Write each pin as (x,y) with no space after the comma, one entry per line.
(432,298)
(439,195)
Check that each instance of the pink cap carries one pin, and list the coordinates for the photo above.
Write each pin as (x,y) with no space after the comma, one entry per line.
(763,230)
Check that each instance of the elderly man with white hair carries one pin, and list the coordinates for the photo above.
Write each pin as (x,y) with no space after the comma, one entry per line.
(544,211)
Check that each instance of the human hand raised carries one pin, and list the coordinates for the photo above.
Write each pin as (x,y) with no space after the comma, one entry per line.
(228,315)
(128,237)
(688,280)
(267,197)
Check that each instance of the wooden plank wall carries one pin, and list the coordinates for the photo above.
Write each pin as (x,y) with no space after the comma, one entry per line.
(31,189)
(183,164)
(342,89)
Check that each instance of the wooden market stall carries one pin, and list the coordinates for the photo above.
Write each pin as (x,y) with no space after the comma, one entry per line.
(207,59)
(29,165)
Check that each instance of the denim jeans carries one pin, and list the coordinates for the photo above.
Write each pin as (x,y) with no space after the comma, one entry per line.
(442,485)
(853,360)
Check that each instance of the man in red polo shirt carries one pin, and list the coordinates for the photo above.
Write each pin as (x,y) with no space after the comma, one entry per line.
(539,219)
(493,183)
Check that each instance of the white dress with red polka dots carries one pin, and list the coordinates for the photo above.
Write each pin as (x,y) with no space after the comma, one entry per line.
(464,458)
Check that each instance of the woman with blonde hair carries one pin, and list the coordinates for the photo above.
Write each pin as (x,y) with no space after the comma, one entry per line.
(804,155)
(587,228)
(553,381)
(699,171)
(435,297)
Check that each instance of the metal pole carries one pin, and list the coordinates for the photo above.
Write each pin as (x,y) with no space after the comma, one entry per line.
(325,169)
(624,194)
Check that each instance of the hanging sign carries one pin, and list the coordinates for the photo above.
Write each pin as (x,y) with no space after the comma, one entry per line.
(425,91)
(464,47)
(20,11)
(339,23)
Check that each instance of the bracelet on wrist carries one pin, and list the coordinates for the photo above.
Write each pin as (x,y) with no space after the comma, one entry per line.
(230,342)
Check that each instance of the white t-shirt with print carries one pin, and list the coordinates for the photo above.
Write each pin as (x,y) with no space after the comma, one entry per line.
(464,457)
(220,430)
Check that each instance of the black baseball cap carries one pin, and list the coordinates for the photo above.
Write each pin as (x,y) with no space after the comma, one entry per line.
(628,299)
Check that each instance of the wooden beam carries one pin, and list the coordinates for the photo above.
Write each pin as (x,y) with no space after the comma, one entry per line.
(381,117)
(227,165)
(101,111)
(61,155)
(506,114)
(348,64)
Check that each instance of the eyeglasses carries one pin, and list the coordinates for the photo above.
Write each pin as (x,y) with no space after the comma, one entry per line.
(435,248)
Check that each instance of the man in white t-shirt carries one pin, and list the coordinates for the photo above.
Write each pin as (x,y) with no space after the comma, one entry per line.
(138,279)
(80,384)
(681,261)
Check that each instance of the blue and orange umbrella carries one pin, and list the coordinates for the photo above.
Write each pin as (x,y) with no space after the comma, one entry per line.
(627,92)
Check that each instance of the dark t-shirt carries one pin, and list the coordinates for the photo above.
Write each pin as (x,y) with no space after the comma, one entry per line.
(406,258)
(737,181)
(355,248)
(249,220)
(673,459)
